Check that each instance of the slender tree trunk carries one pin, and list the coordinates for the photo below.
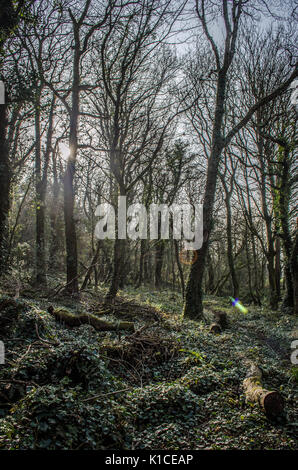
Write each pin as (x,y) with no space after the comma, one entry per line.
(40,263)
(193,307)
(141,264)
(55,230)
(277,267)
(118,259)
(211,278)
(12,232)
(230,243)
(284,197)
(273,297)
(181,275)
(159,254)
(5,180)
(119,247)
(249,272)
(294,269)
(172,260)
(41,175)
(69,193)
(9,19)
(92,265)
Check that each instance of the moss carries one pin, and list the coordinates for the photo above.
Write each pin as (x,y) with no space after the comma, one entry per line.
(72,320)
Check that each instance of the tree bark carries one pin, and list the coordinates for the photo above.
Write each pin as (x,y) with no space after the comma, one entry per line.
(92,265)
(56,229)
(40,262)
(284,197)
(270,253)
(119,249)
(69,193)
(230,255)
(181,275)
(5,179)
(159,253)
(193,307)
(141,264)
(294,269)
(10,16)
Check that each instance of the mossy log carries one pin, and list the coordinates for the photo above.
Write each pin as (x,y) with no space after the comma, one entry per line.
(270,401)
(72,319)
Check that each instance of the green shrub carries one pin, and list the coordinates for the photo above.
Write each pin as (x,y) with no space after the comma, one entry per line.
(58,418)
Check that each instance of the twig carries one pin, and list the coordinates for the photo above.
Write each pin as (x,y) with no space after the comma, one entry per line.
(43,340)
(144,327)
(105,394)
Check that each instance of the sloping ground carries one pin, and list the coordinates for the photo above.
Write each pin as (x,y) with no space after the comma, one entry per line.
(170,385)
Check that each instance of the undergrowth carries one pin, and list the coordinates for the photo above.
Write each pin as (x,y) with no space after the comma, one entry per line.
(170,385)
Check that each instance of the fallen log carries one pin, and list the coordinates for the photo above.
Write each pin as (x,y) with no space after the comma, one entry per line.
(220,322)
(270,401)
(222,319)
(215,328)
(71,319)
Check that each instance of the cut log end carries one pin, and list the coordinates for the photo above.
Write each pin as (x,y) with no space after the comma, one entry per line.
(215,328)
(272,402)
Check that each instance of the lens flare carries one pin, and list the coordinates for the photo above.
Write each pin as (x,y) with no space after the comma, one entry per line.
(236,303)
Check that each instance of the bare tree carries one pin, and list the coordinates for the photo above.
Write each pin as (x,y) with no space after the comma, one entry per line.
(232,14)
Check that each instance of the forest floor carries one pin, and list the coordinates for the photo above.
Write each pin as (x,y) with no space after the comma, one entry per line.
(171,385)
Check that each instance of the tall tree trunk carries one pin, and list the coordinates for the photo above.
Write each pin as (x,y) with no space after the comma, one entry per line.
(41,175)
(5,179)
(284,197)
(230,254)
(55,229)
(294,269)
(40,262)
(69,194)
(119,255)
(230,251)
(270,253)
(193,307)
(9,18)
